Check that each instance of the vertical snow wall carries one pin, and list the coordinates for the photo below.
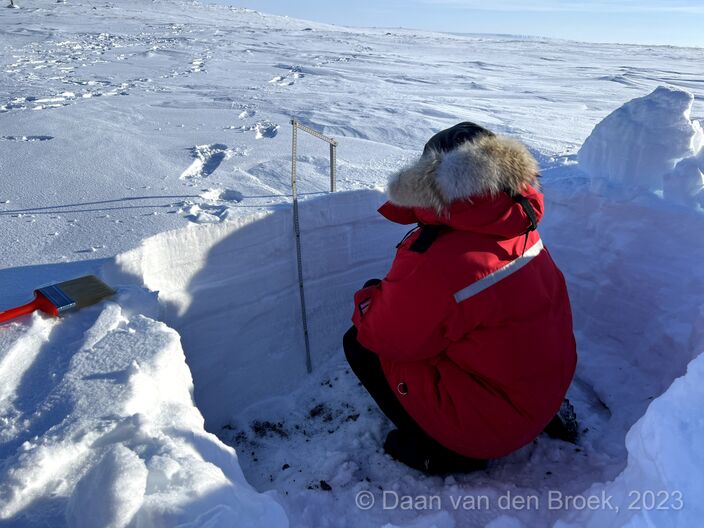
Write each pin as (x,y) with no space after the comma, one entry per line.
(231,291)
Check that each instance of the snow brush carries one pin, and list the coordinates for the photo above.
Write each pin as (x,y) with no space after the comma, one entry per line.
(63,297)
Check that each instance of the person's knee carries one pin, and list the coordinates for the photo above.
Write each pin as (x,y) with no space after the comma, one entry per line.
(350,336)
(351,346)
(359,358)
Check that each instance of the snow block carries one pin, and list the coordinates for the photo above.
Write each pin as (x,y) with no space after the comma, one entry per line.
(637,144)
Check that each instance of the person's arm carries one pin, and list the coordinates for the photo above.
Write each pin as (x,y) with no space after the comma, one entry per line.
(403,317)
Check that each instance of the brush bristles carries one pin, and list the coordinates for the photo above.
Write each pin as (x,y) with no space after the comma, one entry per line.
(86,291)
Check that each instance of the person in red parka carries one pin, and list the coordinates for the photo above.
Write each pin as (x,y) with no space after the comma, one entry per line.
(467,343)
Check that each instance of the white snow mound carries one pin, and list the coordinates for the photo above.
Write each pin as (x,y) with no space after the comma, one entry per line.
(117,440)
(637,144)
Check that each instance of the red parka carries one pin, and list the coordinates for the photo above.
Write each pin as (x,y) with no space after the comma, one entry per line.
(474,335)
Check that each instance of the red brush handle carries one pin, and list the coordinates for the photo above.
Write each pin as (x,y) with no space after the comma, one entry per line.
(38,303)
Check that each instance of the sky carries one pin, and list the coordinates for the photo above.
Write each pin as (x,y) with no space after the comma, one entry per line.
(673,22)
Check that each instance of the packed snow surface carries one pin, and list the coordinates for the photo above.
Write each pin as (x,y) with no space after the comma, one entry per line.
(149,143)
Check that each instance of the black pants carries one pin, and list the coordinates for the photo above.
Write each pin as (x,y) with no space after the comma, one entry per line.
(366,366)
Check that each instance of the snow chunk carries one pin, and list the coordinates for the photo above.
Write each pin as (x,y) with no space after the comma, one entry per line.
(641,141)
(685,183)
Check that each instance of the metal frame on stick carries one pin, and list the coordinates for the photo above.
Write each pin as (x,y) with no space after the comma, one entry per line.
(296,223)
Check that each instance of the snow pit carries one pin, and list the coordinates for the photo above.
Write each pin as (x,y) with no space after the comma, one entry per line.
(231,292)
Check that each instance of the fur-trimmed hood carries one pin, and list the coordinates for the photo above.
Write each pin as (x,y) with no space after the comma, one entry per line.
(489,164)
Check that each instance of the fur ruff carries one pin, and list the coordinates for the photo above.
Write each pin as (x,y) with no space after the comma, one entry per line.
(487,165)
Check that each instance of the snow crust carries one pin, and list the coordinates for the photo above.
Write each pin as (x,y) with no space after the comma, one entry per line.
(643,140)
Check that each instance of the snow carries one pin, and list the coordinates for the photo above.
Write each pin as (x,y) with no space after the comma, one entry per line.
(685,183)
(619,264)
(149,143)
(637,144)
(663,450)
(115,440)
(244,271)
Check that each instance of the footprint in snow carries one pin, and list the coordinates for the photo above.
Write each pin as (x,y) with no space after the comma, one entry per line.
(216,208)
(262,129)
(197,66)
(205,213)
(229,195)
(288,79)
(226,195)
(207,158)
(265,129)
